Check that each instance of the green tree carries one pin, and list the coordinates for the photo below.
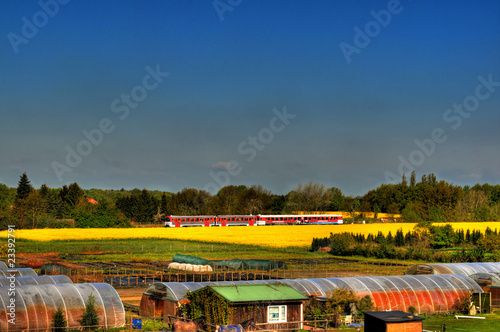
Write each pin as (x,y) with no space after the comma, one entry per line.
(59,321)
(24,187)
(311,196)
(404,182)
(34,207)
(163,204)
(413,179)
(337,199)
(90,317)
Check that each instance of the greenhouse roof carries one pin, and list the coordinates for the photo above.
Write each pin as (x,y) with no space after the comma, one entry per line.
(18,272)
(487,279)
(38,280)
(454,268)
(427,293)
(257,292)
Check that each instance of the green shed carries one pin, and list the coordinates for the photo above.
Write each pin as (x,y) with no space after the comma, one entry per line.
(274,306)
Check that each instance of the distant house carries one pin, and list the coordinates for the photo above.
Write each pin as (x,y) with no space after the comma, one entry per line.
(275,306)
(92,201)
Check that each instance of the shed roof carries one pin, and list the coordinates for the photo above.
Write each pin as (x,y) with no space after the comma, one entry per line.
(257,292)
(395,316)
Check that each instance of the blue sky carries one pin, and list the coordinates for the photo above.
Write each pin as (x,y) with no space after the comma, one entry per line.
(200,94)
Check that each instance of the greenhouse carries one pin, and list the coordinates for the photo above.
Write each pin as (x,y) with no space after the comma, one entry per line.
(454,268)
(18,272)
(39,280)
(427,293)
(490,283)
(35,305)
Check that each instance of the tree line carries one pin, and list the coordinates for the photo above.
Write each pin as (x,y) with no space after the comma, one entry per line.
(426,242)
(428,200)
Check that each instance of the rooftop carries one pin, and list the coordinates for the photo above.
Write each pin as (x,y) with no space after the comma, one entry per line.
(257,292)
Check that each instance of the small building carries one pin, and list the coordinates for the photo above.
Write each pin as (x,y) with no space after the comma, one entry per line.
(272,306)
(392,321)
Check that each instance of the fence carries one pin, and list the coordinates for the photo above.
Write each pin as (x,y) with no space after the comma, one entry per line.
(130,276)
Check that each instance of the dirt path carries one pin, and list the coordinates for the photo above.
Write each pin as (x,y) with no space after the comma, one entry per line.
(131,295)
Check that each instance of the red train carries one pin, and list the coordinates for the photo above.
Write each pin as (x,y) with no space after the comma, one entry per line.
(257,220)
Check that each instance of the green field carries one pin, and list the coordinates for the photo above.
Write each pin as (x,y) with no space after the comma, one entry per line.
(491,323)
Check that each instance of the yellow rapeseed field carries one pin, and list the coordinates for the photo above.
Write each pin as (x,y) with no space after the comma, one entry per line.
(275,236)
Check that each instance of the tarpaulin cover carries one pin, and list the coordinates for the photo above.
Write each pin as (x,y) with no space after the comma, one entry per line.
(233,264)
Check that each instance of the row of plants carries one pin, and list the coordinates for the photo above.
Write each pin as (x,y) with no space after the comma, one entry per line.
(433,243)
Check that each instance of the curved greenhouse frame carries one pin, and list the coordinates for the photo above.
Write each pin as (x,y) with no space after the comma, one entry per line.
(39,280)
(487,279)
(35,305)
(453,268)
(427,293)
(18,272)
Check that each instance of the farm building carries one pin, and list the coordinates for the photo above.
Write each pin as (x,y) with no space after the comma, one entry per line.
(35,305)
(453,268)
(276,306)
(392,321)
(39,280)
(427,293)
(18,272)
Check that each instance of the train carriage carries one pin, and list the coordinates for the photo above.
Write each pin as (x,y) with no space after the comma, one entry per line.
(300,219)
(236,220)
(190,221)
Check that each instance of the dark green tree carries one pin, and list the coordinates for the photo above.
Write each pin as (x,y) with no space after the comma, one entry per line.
(90,317)
(163,204)
(59,321)
(24,187)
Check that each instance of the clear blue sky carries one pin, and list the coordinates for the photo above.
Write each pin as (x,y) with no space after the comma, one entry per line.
(355,84)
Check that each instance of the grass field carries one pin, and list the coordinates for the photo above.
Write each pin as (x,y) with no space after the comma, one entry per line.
(491,323)
(270,236)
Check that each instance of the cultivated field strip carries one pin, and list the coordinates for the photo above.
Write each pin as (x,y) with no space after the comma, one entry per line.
(268,236)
